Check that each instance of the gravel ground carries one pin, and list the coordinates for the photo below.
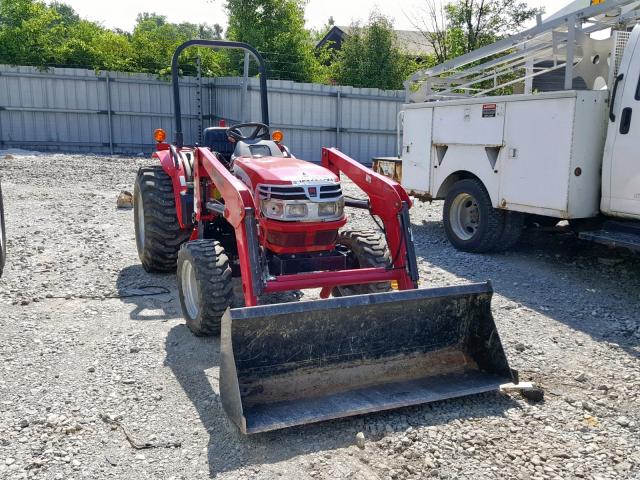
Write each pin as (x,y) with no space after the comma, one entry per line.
(72,357)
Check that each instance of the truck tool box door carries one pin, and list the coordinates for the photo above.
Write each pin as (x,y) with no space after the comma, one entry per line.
(416,149)
(535,160)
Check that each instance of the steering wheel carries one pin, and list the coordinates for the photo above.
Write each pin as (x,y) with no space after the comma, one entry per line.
(260,131)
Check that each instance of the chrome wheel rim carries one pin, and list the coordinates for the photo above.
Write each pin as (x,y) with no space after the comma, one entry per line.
(140,222)
(190,289)
(464,216)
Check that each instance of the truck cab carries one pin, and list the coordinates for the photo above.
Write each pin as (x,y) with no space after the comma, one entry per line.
(621,162)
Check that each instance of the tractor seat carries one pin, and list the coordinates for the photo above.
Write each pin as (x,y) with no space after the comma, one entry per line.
(215,139)
(257,148)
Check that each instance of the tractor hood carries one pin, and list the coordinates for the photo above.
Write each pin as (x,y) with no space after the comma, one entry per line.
(281,171)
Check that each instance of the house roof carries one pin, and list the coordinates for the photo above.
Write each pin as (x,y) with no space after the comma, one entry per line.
(412,42)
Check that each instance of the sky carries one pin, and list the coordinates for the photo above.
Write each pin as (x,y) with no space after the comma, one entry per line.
(122,13)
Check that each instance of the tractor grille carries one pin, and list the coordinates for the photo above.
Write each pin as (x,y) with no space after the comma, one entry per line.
(282,193)
(296,192)
(330,191)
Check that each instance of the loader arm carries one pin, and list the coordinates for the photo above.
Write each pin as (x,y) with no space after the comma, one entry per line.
(387,200)
(239,211)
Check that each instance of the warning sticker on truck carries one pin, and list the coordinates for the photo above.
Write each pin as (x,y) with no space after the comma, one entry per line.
(489,110)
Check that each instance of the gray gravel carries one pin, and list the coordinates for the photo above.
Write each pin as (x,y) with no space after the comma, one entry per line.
(77,366)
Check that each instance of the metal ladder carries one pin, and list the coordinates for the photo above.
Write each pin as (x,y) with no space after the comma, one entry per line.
(561,42)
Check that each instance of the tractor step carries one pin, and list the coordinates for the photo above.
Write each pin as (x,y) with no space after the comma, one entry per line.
(617,234)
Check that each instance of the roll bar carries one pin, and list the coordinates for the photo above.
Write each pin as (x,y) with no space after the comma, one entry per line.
(175,77)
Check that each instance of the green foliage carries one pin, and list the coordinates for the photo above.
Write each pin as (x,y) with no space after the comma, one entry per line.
(276,29)
(370,57)
(471,24)
(32,33)
(29,32)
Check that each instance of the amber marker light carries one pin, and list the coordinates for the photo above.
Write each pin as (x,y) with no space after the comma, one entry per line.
(277,136)
(159,135)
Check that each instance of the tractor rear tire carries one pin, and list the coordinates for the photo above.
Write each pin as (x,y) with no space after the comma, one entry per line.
(368,250)
(3,236)
(470,221)
(205,285)
(158,232)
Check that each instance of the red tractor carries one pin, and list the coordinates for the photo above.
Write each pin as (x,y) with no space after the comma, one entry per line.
(243,206)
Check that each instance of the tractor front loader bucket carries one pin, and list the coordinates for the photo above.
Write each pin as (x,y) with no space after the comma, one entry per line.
(297,363)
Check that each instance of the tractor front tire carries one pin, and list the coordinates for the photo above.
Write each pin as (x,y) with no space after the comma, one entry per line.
(3,236)
(470,221)
(367,249)
(205,285)
(158,232)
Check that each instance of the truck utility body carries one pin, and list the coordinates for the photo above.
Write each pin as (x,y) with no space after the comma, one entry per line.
(570,153)
(519,146)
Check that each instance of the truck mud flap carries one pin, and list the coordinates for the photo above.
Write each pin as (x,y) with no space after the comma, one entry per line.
(297,363)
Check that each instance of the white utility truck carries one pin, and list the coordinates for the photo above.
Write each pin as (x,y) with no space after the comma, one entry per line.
(538,126)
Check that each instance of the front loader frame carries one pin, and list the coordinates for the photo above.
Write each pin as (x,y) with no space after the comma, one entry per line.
(387,200)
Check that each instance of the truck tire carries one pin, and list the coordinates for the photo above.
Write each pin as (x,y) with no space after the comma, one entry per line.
(367,249)
(470,221)
(3,236)
(205,285)
(158,233)
(513,226)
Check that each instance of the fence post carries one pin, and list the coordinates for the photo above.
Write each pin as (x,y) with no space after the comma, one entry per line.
(338,120)
(244,117)
(109,114)
(212,101)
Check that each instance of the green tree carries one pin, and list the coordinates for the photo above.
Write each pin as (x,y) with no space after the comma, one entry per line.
(461,26)
(276,29)
(154,40)
(30,33)
(370,56)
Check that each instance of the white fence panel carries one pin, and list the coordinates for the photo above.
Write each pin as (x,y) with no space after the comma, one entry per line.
(64,109)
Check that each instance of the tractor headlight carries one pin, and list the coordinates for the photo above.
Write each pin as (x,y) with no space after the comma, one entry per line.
(273,208)
(331,209)
(297,210)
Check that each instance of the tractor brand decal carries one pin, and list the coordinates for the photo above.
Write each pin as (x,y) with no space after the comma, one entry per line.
(489,110)
(308,179)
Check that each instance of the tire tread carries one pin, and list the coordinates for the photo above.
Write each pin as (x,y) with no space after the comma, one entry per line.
(163,235)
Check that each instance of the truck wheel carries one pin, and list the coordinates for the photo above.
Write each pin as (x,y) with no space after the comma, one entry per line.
(367,249)
(158,233)
(205,285)
(513,226)
(470,221)
(3,236)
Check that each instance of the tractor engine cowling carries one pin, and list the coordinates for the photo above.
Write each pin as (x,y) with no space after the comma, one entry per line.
(300,204)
